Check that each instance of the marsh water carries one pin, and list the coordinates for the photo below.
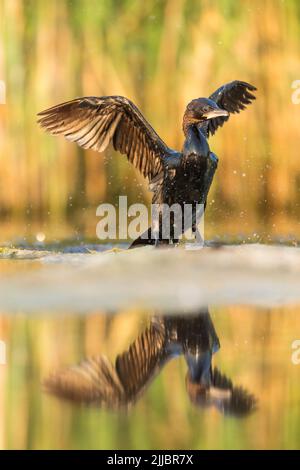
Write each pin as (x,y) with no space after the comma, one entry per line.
(56,312)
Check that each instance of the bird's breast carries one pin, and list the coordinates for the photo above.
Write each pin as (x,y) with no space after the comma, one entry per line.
(185,184)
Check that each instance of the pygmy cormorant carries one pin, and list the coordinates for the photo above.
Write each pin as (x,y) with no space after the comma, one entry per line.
(174,177)
(97,381)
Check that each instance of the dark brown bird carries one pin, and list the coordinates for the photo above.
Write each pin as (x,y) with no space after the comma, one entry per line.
(174,177)
(96,381)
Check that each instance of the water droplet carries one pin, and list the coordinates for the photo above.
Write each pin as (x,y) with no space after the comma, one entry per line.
(40,236)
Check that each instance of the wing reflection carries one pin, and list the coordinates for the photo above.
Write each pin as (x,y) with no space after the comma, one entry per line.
(97,381)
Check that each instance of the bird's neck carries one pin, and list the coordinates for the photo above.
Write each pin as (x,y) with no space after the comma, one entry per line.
(188,124)
(195,141)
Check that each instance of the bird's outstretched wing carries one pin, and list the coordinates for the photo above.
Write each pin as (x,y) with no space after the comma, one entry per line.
(240,401)
(96,381)
(93,381)
(143,360)
(93,122)
(233,97)
(227,398)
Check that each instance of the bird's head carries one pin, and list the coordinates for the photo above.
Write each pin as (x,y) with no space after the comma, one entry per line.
(200,110)
(221,394)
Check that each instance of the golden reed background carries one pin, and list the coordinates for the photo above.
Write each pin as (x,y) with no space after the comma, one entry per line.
(161,54)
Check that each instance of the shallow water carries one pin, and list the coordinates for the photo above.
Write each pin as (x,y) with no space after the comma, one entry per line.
(256,352)
(45,292)
(174,279)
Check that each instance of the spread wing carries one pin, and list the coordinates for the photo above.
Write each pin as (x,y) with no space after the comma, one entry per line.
(233,97)
(227,398)
(96,381)
(143,360)
(240,401)
(93,381)
(94,122)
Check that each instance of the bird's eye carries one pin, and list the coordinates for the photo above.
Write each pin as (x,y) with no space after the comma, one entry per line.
(205,109)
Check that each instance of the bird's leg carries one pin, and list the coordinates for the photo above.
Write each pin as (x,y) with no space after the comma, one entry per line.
(158,228)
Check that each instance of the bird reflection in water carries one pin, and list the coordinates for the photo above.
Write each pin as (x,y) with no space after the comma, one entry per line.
(96,381)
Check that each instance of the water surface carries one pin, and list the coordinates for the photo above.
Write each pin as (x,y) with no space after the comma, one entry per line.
(46,330)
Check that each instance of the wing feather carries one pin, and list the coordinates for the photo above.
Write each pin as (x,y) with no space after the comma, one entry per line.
(94,122)
(96,381)
(233,97)
(143,360)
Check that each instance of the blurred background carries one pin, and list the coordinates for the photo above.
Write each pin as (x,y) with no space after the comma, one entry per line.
(160,54)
